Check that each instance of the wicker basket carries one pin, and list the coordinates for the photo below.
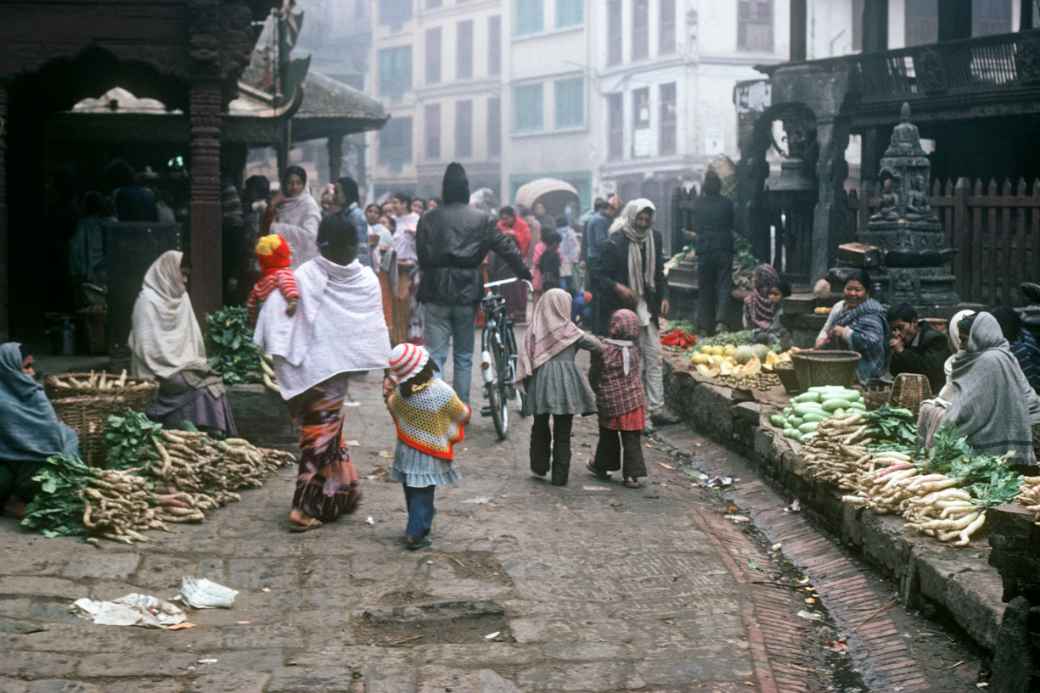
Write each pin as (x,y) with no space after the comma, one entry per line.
(816,367)
(909,390)
(877,397)
(87,416)
(788,378)
(137,393)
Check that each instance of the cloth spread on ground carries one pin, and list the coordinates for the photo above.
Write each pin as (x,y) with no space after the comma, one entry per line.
(30,431)
(759,310)
(551,332)
(640,273)
(432,420)
(165,338)
(992,404)
(298,221)
(313,345)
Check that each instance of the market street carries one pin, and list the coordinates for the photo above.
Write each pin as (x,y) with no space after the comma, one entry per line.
(592,587)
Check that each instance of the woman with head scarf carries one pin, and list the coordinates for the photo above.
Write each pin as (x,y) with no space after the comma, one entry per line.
(858,323)
(991,402)
(337,331)
(762,306)
(166,344)
(295,215)
(30,431)
(630,274)
(615,375)
(555,386)
(933,410)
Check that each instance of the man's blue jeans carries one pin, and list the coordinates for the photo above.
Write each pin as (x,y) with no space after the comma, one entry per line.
(452,327)
(420,510)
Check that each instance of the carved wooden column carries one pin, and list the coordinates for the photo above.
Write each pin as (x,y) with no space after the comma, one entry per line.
(205,120)
(5,329)
(1025,19)
(875,25)
(334,145)
(799,42)
(830,218)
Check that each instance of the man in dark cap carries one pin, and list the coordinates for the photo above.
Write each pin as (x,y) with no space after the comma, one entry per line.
(452,241)
(713,224)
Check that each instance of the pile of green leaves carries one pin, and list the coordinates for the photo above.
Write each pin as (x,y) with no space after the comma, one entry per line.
(232,351)
(893,426)
(128,440)
(724,338)
(989,478)
(57,508)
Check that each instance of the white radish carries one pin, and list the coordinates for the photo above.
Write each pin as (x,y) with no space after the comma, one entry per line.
(965,536)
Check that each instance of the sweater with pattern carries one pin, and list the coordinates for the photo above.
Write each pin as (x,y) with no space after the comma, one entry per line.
(432,420)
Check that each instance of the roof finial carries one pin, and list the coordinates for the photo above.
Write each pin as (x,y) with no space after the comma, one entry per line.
(904,113)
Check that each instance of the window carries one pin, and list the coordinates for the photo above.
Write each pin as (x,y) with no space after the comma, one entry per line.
(495,45)
(395,142)
(990,17)
(570,12)
(527,108)
(641,133)
(640,29)
(464,50)
(666,27)
(755,25)
(433,55)
(394,13)
(464,129)
(494,127)
(857,25)
(529,19)
(432,118)
(570,103)
(395,71)
(668,120)
(922,22)
(614,32)
(615,126)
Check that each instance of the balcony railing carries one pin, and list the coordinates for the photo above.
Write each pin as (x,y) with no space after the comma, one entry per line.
(985,64)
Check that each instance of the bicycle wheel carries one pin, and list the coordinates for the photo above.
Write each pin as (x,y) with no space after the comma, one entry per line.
(500,407)
(516,393)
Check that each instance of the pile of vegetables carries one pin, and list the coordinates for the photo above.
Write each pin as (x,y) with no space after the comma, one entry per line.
(804,415)
(157,477)
(232,351)
(677,338)
(1029,496)
(97,383)
(743,365)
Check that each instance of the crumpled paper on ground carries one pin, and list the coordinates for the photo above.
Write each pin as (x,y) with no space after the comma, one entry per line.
(131,610)
(201,593)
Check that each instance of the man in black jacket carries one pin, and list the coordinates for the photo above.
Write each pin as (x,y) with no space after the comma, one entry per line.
(713,224)
(452,241)
(917,347)
(630,274)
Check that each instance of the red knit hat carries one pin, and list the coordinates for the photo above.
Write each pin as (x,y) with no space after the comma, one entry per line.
(406,360)
(273,253)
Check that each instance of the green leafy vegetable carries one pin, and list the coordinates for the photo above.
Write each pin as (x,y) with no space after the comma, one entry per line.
(128,440)
(235,356)
(57,509)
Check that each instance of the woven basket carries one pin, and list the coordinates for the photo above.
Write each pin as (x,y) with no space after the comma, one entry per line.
(136,392)
(877,398)
(788,378)
(909,390)
(816,367)
(87,416)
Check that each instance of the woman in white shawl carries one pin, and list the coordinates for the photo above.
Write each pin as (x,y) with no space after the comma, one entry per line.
(167,345)
(295,215)
(337,331)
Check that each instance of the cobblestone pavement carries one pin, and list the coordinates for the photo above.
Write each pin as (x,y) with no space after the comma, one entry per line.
(528,587)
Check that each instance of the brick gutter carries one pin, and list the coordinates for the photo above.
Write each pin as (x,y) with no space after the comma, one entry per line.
(959,582)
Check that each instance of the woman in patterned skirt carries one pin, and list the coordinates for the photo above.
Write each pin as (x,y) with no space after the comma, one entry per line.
(313,358)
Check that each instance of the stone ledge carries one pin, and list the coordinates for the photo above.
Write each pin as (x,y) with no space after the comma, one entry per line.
(958,582)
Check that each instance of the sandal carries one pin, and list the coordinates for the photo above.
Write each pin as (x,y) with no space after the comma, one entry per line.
(309,524)
(633,483)
(597,472)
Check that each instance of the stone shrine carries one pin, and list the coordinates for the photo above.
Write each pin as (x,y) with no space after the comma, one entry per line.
(911,238)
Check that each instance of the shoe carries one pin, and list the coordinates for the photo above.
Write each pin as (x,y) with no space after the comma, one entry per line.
(664,417)
(560,472)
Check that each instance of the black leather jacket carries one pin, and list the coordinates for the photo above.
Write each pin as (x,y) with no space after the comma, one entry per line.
(452,242)
(713,222)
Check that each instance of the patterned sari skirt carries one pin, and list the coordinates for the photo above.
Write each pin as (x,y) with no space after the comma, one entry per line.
(327,484)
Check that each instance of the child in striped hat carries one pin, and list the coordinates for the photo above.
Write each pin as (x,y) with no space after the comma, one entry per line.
(430,419)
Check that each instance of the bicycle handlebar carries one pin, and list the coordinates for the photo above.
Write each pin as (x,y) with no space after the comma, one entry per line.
(511,280)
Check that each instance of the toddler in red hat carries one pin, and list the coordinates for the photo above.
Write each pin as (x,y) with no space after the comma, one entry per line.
(274,256)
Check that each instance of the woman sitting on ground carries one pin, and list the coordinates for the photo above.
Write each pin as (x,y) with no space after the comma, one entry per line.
(858,323)
(989,400)
(167,345)
(30,431)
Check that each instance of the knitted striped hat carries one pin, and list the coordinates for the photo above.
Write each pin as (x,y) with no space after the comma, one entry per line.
(406,360)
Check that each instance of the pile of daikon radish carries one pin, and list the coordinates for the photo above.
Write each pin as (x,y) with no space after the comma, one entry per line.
(1029,496)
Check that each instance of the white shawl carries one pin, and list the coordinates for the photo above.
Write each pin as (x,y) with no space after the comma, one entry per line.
(298,221)
(339,327)
(165,337)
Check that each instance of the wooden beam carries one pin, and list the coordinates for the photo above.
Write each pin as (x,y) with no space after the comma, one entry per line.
(875,26)
(799,42)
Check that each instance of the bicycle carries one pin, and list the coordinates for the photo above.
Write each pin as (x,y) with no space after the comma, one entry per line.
(498,358)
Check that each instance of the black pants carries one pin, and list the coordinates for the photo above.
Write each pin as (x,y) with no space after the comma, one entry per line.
(16,479)
(714,285)
(554,445)
(620,450)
